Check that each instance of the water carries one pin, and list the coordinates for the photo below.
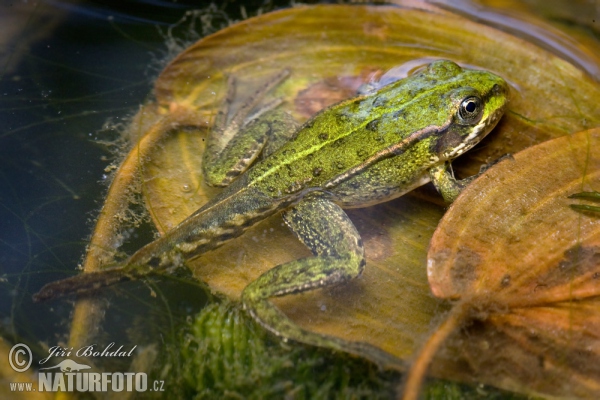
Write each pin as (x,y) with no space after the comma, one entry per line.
(61,82)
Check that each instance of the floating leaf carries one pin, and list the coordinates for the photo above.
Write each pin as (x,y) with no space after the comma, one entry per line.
(525,268)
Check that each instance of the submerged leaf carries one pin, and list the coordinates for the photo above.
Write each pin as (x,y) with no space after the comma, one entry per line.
(390,305)
(525,268)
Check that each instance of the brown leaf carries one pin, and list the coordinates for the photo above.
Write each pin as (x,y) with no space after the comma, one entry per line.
(526,268)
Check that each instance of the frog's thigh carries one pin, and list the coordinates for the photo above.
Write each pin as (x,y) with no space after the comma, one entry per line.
(338,251)
(338,256)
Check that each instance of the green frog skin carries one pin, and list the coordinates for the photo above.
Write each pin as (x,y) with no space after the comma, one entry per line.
(363,151)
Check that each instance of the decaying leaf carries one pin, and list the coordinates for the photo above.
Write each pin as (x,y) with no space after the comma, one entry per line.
(525,269)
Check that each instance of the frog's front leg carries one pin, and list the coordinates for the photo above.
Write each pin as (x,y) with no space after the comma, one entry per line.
(446,184)
(338,257)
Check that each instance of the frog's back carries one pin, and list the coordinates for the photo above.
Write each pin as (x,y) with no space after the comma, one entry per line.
(347,135)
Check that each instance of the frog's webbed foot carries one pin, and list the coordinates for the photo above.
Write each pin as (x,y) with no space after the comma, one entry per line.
(338,257)
(235,143)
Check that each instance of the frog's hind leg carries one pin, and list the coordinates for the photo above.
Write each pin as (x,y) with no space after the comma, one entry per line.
(338,257)
(236,142)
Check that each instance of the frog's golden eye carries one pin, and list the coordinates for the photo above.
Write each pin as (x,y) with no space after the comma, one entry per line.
(470,110)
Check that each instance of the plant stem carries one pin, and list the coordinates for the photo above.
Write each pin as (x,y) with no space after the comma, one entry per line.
(417,372)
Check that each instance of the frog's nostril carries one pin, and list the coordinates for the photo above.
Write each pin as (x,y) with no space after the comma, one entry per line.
(498,89)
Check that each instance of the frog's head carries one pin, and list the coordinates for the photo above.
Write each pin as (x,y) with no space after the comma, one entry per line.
(476,100)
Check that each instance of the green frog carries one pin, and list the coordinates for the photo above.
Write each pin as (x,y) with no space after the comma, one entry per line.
(366,150)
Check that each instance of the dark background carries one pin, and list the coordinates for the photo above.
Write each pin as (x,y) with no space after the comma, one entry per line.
(66,68)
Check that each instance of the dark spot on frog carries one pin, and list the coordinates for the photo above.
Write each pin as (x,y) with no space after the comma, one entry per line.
(323,136)
(342,118)
(317,171)
(290,170)
(380,101)
(309,124)
(372,125)
(339,142)
(497,89)
(400,114)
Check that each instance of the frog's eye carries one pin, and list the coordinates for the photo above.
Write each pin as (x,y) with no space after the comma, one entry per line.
(470,110)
